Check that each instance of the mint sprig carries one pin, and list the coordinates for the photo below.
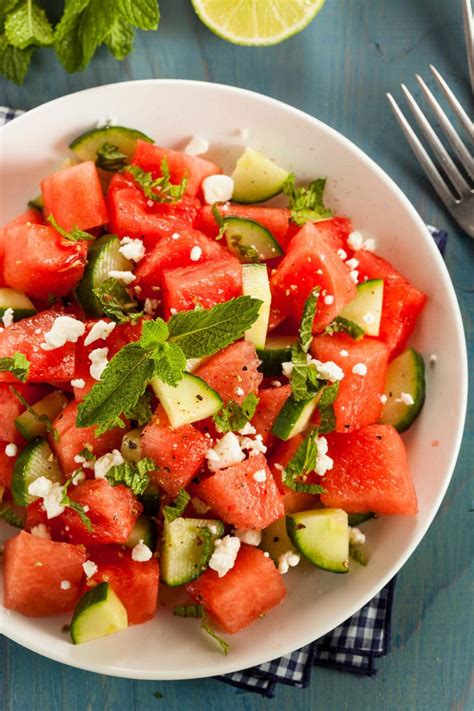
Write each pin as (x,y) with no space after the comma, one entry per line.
(233,416)
(116,301)
(197,612)
(306,204)
(110,158)
(74,235)
(158,189)
(132,474)
(18,365)
(302,463)
(177,507)
(343,325)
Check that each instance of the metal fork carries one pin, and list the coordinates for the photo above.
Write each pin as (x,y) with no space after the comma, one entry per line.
(458,197)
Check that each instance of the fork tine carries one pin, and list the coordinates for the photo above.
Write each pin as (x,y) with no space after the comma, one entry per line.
(427,164)
(437,147)
(461,115)
(451,133)
(469,36)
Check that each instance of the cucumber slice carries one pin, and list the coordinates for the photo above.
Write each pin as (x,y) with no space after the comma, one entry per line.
(31,426)
(190,401)
(185,552)
(125,139)
(365,309)
(98,613)
(256,178)
(255,283)
(322,536)
(277,350)
(356,519)
(36,460)
(144,530)
(275,540)
(103,257)
(294,417)
(405,374)
(250,241)
(131,447)
(16,300)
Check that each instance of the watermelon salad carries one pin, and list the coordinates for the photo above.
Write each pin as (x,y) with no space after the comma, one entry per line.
(198,389)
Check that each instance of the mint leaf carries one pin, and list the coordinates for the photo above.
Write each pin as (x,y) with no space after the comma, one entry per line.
(19,366)
(307,319)
(28,25)
(343,325)
(120,38)
(196,611)
(14,62)
(42,419)
(357,554)
(302,463)
(202,333)
(75,235)
(95,24)
(116,302)
(205,626)
(110,158)
(233,416)
(75,506)
(177,507)
(219,220)
(170,363)
(11,517)
(326,410)
(131,474)
(158,189)
(67,39)
(303,377)
(306,204)
(154,333)
(143,14)
(245,251)
(141,412)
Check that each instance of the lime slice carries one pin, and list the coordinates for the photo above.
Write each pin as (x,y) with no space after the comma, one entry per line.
(256,22)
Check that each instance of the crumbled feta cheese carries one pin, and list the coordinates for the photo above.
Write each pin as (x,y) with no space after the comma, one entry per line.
(141,553)
(354,275)
(78,477)
(132,249)
(125,277)
(41,531)
(352,263)
(173,311)
(329,370)
(266,554)
(239,392)
(356,536)
(37,331)
(287,368)
(99,362)
(217,188)
(195,254)
(276,384)
(369,245)
(226,451)
(100,330)
(106,120)
(248,536)
(199,506)
(368,318)
(65,585)
(40,487)
(11,450)
(279,467)
(342,254)
(175,235)
(65,329)
(359,369)
(106,462)
(383,398)
(260,476)
(344,353)
(406,398)
(287,560)
(225,554)
(7,317)
(247,429)
(150,306)
(328,299)
(89,568)
(433,359)
(254,446)
(78,383)
(355,240)
(51,493)
(87,464)
(197,146)
(323,462)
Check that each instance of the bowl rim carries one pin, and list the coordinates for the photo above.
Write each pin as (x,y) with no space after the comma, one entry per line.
(226,666)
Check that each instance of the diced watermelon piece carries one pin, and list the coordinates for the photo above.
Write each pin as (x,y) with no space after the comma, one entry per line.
(25,337)
(41,263)
(271,400)
(293,501)
(402,302)
(71,440)
(358,400)
(335,231)
(173,252)
(179,452)
(309,263)
(275,219)
(74,196)
(6,465)
(11,407)
(33,216)
(241,500)
(204,284)
(33,571)
(136,584)
(370,473)
(233,372)
(150,157)
(248,591)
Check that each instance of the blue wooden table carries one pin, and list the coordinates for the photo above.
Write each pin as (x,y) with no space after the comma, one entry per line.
(338,70)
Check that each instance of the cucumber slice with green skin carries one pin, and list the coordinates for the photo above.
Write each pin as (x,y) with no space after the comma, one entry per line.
(275,540)
(256,178)
(103,257)
(131,447)
(144,530)
(185,552)
(98,613)
(36,460)
(190,401)
(250,241)
(322,536)
(365,309)
(151,500)
(125,139)
(277,350)
(16,300)
(357,519)
(294,417)
(405,375)
(30,426)
(255,283)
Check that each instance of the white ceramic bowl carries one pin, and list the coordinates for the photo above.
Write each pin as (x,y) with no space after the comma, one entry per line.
(171,112)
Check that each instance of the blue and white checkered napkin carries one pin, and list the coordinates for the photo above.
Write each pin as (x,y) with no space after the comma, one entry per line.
(353,646)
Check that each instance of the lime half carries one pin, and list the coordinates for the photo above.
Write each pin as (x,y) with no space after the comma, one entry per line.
(256,22)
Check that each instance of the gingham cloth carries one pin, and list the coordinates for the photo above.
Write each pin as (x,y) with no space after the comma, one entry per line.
(353,646)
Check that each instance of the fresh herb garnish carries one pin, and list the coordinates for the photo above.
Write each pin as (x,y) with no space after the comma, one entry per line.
(141,412)
(206,627)
(87,454)
(132,474)
(158,189)
(357,554)
(75,506)
(75,235)
(39,419)
(306,204)
(116,302)
(343,325)
(302,463)
(233,416)
(176,508)
(10,517)
(197,612)
(327,416)
(110,158)
(219,220)
(19,366)
(304,375)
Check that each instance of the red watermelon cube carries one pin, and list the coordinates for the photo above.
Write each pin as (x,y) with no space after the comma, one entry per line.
(32,216)
(270,402)
(233,372)
(335,231)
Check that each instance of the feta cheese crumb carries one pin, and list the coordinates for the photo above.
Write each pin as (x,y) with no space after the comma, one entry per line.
(247,429)
(354,275)
(197,146)
(141,553)
(287,368)
(287,560)
(132,249)
(51,493)
(352,263)
(41,531)
(217,188)
(226,451)
(175,235)
(106,120)
(239,392)
(65,329)
(7,317)
(106,462)
(11,450)
(253,446)
(344,353)
(329,370)
(329,299)
(195,254)
(406,398)
(323,462)
(125,277)
(356,536)
(383,398)
(78,383)
(260,476)
(99,362)
(78,477)
(433,359)
(100,330)
(369,245)
(150,306)
(248,536)
(225,554)
(355,240)
(65,585)
(359,369)
(89,568)
(276,384)
(342,254)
